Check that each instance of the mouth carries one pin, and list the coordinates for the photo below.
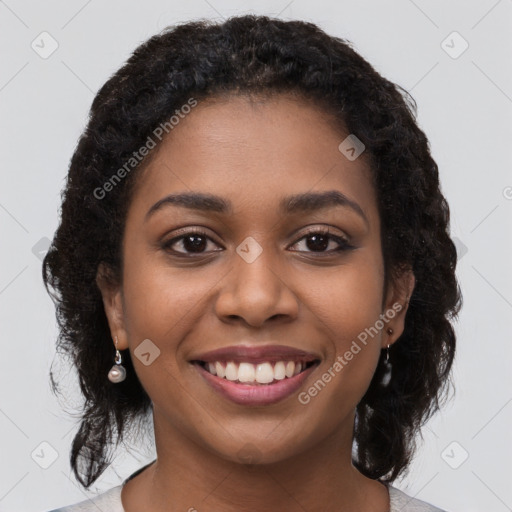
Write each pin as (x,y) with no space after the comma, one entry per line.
(255,375)
(261,374)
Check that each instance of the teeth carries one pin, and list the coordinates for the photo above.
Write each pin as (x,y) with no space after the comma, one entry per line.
(219,370)
(279,371)
(231,371)
(246,372)
(262,373)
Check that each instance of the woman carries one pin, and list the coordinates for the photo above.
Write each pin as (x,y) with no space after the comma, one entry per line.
(254,250)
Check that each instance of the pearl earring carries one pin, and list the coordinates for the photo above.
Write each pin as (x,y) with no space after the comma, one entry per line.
(118,372)
(387,365)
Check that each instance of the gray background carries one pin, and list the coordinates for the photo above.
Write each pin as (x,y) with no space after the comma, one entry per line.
(464,101)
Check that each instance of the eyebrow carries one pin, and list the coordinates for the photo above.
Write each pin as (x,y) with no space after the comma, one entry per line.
(300,203)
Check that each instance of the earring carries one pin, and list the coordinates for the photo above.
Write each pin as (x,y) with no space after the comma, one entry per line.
(387,365)
(118,372)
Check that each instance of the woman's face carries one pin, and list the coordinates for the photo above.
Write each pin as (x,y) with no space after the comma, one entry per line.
(254,278)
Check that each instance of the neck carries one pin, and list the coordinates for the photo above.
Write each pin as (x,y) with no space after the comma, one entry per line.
(189,477)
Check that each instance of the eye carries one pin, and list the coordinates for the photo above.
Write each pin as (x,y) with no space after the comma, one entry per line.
(196,242)
(191,242)
(318,240)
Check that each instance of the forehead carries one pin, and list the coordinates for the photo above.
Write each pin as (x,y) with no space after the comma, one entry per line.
(254,152)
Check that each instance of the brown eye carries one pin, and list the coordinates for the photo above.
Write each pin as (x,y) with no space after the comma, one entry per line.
(189,243)
(320,240)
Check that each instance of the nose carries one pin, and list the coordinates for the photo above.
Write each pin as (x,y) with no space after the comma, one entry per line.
(256,292)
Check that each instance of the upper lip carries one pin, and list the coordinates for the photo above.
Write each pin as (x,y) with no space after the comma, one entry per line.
(257,354)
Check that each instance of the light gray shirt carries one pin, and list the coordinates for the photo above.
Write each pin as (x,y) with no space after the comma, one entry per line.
(110,501)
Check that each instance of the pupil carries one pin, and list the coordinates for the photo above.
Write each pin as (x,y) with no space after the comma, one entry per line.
(198,243)
(324,242)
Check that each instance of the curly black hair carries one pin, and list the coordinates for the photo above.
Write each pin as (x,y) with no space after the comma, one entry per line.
(256,55)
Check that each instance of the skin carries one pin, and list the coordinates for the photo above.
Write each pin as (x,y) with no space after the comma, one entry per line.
(252,153)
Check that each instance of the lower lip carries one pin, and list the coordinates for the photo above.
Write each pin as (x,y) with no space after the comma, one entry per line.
(258,394)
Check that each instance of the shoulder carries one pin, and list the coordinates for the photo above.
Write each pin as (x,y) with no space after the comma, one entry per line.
(401,502)
(109,500)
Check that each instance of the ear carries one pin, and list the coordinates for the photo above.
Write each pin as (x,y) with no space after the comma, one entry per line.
(111,292)
(396,304)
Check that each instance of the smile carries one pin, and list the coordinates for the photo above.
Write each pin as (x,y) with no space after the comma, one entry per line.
(265,373)
(241,384)
(253,374)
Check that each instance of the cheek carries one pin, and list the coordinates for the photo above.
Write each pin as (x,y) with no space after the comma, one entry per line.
(350,320)
(348,295)
(163,304)
(161,301)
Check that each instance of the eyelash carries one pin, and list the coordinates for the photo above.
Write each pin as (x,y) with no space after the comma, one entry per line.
(343,242)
